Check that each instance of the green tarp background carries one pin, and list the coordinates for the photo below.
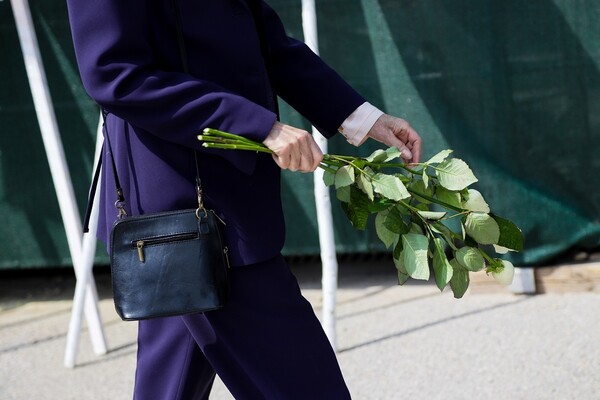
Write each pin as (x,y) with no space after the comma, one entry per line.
(512,86)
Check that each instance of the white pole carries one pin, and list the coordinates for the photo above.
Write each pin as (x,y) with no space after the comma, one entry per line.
(85,289)
(53,146)
(322,200)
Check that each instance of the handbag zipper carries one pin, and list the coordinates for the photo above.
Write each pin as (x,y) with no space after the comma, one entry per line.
(140,244)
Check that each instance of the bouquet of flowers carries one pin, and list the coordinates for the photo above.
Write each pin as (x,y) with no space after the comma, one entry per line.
(425,213)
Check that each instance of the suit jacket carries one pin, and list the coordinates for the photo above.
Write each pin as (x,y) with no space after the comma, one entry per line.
(130,65)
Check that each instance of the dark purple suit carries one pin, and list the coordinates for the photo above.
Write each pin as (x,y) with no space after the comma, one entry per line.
(130,64)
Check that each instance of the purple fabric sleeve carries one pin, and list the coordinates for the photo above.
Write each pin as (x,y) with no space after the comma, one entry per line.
(119,72)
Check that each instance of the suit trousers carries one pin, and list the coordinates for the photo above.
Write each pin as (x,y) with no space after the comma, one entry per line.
(266,343)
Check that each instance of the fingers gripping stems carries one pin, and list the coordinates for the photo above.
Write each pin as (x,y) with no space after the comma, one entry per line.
(293,148)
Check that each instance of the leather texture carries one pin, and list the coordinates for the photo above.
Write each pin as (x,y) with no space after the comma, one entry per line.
(166,264)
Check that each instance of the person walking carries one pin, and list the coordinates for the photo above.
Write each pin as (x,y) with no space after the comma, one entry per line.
(266,343)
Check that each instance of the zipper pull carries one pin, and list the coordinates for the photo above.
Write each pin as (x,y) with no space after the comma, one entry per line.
(225,251)
(140,249)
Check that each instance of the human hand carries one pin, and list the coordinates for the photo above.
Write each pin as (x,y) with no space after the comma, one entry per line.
(294,149)
(396,132)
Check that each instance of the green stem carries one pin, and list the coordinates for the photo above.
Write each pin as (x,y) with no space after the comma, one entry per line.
(216,132)
(217,139)
(325,167)
(436,201)
(489,259)
(455,215)
(411,208)
(394,165)
(211,145)
(341,160)
(375,164)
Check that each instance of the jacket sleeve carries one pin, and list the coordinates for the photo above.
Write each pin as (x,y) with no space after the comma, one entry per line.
(116,65)
(305,81)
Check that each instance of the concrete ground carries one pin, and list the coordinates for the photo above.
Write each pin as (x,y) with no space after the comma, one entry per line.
(395,342)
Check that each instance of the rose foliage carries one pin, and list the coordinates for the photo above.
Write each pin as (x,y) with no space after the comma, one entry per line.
(425,213)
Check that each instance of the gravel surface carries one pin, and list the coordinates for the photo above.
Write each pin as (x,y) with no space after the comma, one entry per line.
(407,342)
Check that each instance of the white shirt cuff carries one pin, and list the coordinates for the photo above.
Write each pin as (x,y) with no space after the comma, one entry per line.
(359,123)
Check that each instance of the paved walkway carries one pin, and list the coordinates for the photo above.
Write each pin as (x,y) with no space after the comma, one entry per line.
(407,342)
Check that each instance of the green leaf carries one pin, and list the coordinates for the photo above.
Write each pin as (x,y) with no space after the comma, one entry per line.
(414,255)
(357,216)
(402,277)
(459,283)
(398,249)
(448,196)
(511,236)
(390,187)
(455,174)
(358,163)
(377,156)
(402,274)
(405,179)
(446,232)
(403,209)
(328,178)
(343,194)
(379,204)
(432,215)
(482,227)
(425,177)
(387,236)
(474,202)
(470,258)
(419,187)
(441,266)
(394,221)
(421,207)
(414,228)
(501,249)
(439,157)
(357,209)
(391,154)
(365,185)
(344,176)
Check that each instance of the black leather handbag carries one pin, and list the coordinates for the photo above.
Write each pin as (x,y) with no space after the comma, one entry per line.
(169,263)
(166,264)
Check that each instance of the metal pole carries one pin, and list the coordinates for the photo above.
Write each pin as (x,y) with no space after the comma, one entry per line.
(55,153)
(85,289)
(322,201)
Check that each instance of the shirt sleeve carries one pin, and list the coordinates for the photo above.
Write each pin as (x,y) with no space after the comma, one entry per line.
(359,123)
